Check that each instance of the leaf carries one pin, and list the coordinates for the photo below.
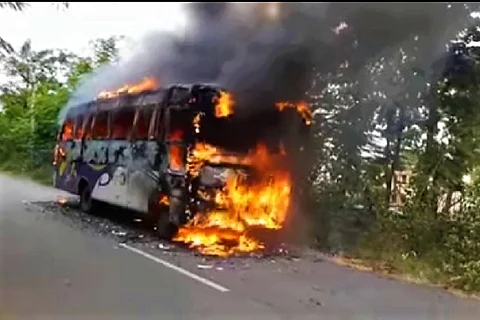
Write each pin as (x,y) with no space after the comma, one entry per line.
(16,6)
(26,48)
(5,46)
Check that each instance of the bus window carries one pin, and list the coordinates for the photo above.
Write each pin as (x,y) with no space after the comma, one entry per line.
(180,126)
(67,131)
(157,124)
(122,124)
(78,128)
(143,123)
(100,126)
(87,127)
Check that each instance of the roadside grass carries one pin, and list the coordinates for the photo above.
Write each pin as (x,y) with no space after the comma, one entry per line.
(40,173)
(409,268)
(423,255)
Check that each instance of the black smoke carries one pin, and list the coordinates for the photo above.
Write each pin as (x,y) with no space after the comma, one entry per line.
(264,58)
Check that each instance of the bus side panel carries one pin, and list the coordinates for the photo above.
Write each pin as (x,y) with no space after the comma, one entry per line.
(107,179)
(110,184)
(145,165)
(93,174)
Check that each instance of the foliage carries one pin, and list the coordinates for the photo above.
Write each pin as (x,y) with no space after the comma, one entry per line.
(381,111)
(105,50)
(462,245)
(39,85)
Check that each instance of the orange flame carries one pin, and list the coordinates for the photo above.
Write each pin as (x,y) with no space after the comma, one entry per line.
(59,154)
(301,107)
(61,201)
(205,153)
(164,200)
(146,84)
(176,151)
(245,205)
(224,105)
(67,133)
(196,123)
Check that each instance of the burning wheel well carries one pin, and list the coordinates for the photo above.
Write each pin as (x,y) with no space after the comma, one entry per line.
(82,184)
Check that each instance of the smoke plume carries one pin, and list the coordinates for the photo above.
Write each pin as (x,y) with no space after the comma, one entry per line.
(267,52)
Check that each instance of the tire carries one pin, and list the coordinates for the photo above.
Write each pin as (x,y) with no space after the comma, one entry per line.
(177,211)
(169,221)
(87,204)
(165,229)
(158,218)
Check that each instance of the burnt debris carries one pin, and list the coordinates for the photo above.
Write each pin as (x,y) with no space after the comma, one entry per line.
(126,227)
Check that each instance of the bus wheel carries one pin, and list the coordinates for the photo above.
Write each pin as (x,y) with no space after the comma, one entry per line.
(87,204)
(177,211)
(158,217)
(165,229)
(169,222)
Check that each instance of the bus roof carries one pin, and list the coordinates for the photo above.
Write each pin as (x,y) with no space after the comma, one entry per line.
(178,93)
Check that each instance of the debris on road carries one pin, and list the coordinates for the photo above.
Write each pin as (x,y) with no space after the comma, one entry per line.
(119,233)
(126,228)
(315,302)
(163,246)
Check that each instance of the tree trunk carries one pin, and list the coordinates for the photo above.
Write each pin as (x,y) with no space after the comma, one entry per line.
(388,156)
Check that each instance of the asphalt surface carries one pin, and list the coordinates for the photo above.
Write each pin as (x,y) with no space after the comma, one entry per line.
(58,263)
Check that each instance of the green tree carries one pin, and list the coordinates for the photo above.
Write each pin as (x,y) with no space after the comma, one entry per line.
(33,75)
(40,84)
(106,50)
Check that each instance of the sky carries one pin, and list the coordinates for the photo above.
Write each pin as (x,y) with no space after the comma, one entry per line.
(51,27)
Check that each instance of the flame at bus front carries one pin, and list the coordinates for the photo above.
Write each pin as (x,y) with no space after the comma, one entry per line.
(146,84)
(224,105)
(301,107)
(243,206)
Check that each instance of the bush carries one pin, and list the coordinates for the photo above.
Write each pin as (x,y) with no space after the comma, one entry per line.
(462,250)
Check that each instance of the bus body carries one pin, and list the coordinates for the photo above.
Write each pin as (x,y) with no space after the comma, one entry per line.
(131,150)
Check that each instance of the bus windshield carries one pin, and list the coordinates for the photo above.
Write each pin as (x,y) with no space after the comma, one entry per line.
(241,134)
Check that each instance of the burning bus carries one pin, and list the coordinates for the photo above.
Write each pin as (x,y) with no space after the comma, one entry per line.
(182,156)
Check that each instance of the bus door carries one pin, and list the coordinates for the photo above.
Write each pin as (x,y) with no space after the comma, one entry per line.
(143,176)
(96,140)
(64,174)
(178,124)
(178,133)
(119,154)
(95,154)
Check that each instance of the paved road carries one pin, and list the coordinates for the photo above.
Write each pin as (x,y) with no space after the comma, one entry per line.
(51,270)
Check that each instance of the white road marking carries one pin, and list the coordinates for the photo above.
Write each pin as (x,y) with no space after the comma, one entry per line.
(176,268)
